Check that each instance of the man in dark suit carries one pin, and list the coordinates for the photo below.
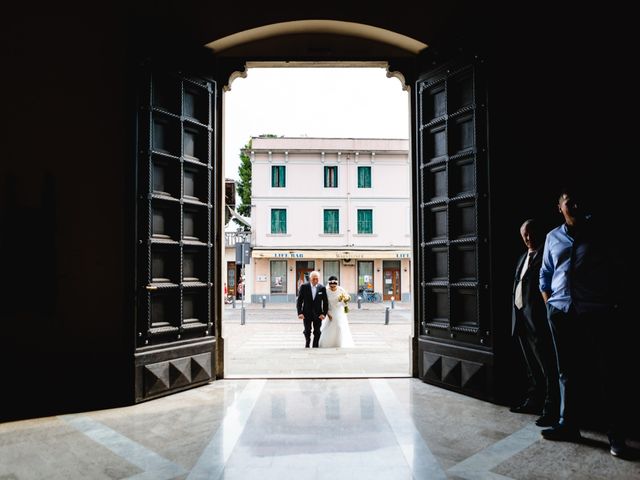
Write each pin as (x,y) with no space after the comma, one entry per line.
(530,328)
(313,306)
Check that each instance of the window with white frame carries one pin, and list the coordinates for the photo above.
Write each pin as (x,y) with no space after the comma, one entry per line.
(331,177)
(278,176)
(364,177)
(331,267)
(365,220)
(331,220)
(278,276)
(278,220)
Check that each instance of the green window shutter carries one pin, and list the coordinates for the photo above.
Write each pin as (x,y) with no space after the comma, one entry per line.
(365,223)
(283,176)
(278,220)
(364,177)
(331,221)
(278,176)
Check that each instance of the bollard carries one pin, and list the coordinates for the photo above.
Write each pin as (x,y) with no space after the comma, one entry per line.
(386,315)
(393,302)
(233,302)
(264,301)
(359,302)
(242,317)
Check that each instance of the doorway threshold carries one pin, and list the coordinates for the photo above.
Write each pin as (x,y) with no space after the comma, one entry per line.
(319,376)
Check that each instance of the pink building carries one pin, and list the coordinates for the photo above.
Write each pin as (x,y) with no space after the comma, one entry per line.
(337,205)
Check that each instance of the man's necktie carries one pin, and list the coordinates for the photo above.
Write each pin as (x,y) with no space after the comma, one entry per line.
(518,300)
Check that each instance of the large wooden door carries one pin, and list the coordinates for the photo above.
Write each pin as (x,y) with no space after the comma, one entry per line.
(391,280)
(175,343)
(231,279)
(451,242)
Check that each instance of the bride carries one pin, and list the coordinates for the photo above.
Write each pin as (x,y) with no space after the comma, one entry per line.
(335,327)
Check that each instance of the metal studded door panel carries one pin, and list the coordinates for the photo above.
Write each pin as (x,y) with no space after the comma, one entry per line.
(451,239)
(174,327)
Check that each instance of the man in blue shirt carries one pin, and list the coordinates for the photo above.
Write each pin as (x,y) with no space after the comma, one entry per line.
(578,284)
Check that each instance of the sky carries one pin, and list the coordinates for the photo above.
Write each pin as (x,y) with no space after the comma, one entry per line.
(312,102)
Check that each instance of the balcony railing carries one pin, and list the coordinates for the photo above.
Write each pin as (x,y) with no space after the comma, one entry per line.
(231,238)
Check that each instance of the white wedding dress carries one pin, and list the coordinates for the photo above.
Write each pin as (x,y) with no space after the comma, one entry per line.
(335,332)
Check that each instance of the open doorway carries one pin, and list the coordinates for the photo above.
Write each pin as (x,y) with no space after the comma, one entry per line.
(453,336)
(329,154)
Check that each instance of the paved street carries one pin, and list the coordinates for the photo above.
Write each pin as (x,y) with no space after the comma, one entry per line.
(271,345)
(286,313)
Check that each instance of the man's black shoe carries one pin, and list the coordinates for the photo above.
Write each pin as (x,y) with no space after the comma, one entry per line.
(526,407)
(618,448)
(563,434)
(547,421)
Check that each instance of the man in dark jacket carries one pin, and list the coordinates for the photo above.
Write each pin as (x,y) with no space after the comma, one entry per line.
(313,306)
(530,328)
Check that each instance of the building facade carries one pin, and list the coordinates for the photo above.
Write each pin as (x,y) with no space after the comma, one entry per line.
(339,206)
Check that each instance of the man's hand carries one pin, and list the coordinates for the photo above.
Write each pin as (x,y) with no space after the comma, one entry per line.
(301,316)
(321,317)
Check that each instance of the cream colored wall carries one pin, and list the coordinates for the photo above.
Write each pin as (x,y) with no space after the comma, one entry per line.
(405,276)
(348,276)
(261,267)
(305,198)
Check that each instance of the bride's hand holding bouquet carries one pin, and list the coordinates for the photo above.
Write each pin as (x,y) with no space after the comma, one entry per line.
(344,298)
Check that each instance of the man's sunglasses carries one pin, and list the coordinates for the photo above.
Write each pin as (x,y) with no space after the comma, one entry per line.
(333,283)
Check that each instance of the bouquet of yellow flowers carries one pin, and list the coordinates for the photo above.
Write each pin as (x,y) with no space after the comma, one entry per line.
(344,298)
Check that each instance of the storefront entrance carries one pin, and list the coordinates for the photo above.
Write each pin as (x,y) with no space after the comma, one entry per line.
(391,280)
(303,269)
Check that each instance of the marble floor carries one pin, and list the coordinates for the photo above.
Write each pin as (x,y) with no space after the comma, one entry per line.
(300,429)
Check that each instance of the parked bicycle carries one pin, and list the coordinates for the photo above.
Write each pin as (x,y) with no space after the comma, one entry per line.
(370,296)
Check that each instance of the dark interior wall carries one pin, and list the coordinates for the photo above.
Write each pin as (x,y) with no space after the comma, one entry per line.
(555,121)
(67,329)
(63,216)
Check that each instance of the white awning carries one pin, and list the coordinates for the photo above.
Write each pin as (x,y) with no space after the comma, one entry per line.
(243,220)
(332,254)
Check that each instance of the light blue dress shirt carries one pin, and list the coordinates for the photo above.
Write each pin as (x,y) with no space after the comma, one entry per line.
(556,267)
(580,271)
